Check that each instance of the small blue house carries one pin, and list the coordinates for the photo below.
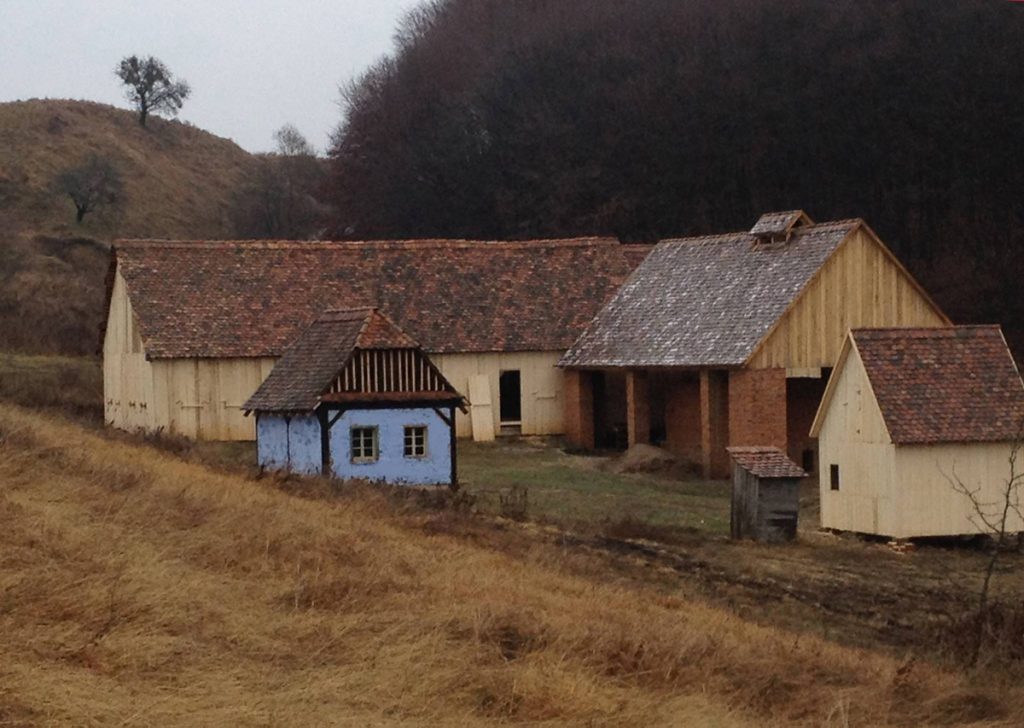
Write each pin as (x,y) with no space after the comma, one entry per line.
(355,397)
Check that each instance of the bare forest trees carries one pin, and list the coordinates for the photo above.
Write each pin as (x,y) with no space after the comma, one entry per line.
(151,87)
(280,198)
(94,183)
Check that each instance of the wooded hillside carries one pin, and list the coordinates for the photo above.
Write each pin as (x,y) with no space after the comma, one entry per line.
(656,118)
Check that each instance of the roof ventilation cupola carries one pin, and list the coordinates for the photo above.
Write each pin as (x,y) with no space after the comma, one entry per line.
(774,228)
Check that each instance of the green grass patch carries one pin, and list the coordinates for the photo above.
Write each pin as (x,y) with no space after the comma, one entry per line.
(578,490)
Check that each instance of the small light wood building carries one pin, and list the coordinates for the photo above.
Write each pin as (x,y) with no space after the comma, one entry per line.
(728,340)
(193,328)
(354,397)
(908,412)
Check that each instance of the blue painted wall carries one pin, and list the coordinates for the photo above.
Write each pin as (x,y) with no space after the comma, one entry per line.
(392,465)
(288,443)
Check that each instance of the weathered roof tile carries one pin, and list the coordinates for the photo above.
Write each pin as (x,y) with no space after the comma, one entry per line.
(251,298)
(766,462)
(705,301)
(946,385)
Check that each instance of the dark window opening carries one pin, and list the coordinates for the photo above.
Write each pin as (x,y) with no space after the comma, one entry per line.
(808,461)
(833,473)
(510,398)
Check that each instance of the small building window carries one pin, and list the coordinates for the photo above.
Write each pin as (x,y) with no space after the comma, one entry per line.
(833,476)
(364,445)
(415,441)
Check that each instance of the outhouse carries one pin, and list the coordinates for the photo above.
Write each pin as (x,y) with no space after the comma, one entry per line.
(765,494)
(355,397)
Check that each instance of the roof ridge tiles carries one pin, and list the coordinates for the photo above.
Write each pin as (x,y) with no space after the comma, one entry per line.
(394,244)
(745,234)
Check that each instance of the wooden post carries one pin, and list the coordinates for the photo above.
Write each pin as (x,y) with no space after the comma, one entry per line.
(714,428)
(638,412)
(579,408)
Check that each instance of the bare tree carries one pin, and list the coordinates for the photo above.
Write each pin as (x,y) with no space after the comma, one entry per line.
(996,519)
(151,87)
(291,142)
(92,184)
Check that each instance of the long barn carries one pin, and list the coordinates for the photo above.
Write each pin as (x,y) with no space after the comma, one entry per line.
(194,328)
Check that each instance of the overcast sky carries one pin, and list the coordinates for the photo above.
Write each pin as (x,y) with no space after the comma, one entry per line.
(253,64)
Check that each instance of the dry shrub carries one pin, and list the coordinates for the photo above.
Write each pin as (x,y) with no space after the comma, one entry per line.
(1002,628)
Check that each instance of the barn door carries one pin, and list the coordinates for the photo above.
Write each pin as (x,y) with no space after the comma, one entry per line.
(481,413)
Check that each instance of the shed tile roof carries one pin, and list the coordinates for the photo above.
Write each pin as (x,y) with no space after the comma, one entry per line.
(766,462)
(251,298)
(705,301)
(946,385)
(309,365)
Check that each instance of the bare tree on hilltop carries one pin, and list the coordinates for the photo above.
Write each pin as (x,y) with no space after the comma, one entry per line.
(151,87)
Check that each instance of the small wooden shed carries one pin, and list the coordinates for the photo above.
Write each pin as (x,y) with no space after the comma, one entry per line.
(906,413)
(765,494)
(355,397)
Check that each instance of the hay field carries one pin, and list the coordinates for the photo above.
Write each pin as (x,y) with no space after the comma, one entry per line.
(138,589)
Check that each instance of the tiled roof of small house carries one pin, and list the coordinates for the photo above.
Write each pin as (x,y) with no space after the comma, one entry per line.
(307,368)
(766,462)
(943,385)
(251,298)
(705,301)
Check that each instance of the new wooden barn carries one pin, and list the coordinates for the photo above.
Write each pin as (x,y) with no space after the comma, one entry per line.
(907,412)
(729,339)
(193,328)
(355,397)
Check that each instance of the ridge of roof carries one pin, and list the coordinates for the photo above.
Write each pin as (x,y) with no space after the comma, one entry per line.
(143,243)
(923,332)
(747,235)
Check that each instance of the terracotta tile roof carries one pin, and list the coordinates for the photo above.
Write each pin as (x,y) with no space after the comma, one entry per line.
(955,384)
(248,299)
(705,301)
(766,462)
(309,365)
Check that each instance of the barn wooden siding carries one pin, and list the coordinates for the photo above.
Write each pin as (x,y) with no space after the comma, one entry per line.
(860,286)
(202,398)
(199,398)
(542,384)
(854,437)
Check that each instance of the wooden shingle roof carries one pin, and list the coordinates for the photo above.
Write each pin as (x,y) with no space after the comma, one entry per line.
(251,298)
(307,368)
(705,301)
(946,385)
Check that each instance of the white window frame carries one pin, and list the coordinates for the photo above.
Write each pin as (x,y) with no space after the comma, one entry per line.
(363,459)
(410,430)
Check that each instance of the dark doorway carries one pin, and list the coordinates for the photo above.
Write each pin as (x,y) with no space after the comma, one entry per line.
(510,398)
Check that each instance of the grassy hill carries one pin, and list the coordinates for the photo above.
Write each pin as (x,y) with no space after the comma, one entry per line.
(139,589)
(178,184)
(178,178)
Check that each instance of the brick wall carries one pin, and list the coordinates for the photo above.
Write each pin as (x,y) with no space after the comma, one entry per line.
(682,418)
(757,407)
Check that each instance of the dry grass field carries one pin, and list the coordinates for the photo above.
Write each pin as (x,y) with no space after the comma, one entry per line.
(178,178)
(137,588)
